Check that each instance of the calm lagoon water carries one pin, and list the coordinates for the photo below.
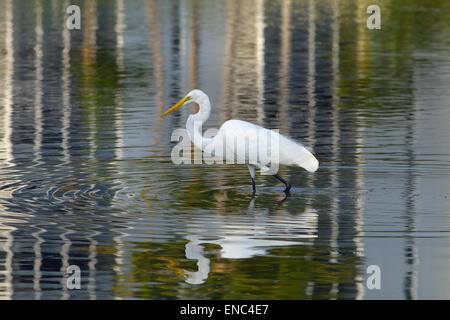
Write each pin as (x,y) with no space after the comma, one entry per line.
(86,176)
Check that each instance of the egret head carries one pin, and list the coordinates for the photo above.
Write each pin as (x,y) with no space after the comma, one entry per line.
(193,96)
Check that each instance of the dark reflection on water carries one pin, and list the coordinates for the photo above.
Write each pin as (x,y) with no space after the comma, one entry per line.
(85,171)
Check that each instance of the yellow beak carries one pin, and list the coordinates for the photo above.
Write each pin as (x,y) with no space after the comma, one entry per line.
(175,107)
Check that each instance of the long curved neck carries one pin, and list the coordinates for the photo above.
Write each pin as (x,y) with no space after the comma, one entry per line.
(195,121)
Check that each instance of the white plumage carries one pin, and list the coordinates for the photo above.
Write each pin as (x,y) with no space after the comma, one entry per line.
(239,141)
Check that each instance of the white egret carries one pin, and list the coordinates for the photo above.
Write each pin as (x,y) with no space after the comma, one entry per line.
(288,152)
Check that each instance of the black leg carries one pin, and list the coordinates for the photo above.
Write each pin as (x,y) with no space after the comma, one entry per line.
(253,185)
(288,186)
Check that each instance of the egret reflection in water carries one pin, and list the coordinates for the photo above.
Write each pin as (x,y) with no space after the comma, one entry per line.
(262,231)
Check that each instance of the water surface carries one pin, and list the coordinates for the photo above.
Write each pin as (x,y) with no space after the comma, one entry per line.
(86,176)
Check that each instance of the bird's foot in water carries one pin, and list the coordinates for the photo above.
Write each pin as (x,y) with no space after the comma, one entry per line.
(288,186)
(253,187)
(286,195)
